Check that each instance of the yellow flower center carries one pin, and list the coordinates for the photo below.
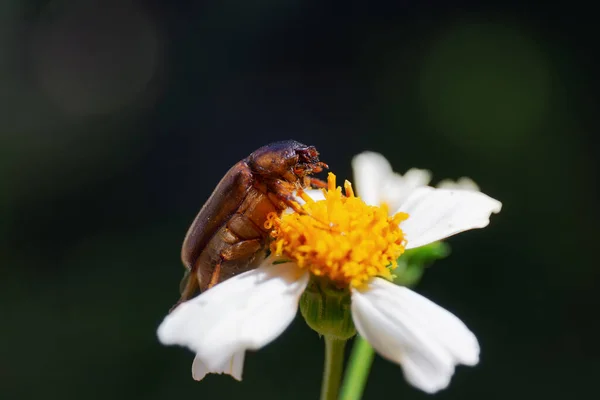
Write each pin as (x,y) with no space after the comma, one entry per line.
(340,237)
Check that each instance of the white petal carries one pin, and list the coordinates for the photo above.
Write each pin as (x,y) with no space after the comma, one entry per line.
(415,177)
(463,183)
(398,188)
(406,328)
(371,171)
(234,367)
(435,214)
(245,312)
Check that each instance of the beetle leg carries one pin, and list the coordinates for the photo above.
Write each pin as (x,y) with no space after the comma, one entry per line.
(284,195)
(233,252)
(236,251)
(318,183)
(288,200)
(214,279)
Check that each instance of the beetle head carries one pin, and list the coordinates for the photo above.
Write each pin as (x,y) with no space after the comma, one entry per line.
(288,160)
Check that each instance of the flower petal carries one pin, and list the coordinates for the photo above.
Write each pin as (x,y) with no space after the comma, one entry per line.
(371,170)
(247,311)
(377,183)
(234,367)
(410,330)
(435,214)
(463,183)
(397,188)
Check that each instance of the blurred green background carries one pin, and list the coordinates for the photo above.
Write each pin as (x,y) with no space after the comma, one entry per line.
(118,118)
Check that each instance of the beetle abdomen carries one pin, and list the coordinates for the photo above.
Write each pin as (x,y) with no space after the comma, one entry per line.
(255,208)
(239,245)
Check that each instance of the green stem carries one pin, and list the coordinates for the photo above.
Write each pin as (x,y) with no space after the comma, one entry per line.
(358,370)
(334,365)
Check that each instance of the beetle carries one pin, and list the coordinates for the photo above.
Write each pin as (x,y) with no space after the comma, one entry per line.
(228,236)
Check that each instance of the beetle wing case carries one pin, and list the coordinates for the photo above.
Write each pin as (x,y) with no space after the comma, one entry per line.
(220,206)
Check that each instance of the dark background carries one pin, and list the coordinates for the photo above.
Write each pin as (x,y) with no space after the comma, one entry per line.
(118,118)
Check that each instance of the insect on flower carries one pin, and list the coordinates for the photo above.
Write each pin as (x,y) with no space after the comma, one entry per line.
(358,256)
(228,235)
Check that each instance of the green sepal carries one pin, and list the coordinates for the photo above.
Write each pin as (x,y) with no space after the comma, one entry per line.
(326,309)
(413,262)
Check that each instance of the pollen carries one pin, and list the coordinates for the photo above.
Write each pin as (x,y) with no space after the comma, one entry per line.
(340,238)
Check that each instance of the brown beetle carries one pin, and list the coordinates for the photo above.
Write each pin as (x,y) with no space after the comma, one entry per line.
(228,236)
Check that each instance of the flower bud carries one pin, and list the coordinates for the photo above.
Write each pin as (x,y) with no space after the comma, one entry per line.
(326,309)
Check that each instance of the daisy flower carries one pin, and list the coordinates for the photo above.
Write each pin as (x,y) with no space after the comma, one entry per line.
(353,247)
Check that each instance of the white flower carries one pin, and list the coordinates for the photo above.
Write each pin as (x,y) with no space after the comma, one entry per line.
(250,310)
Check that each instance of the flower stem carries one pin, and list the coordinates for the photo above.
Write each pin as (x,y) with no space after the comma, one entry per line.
(358,370)
(332,371)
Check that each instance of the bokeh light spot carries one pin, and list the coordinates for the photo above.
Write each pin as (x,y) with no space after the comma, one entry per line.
(486,87)
(95,57)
